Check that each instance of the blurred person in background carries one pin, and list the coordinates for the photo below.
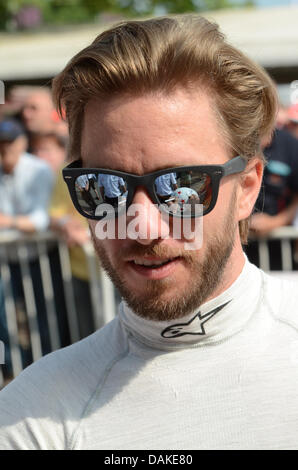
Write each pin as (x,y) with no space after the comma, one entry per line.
(69,225)
(38,112)
(278,199)
(292,127)
(15,100)
(292,124)
(40,117)
(282,117)
(26,184)
(83,186)
(51,148)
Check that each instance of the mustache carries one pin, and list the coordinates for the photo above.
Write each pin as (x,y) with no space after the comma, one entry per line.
(156,250)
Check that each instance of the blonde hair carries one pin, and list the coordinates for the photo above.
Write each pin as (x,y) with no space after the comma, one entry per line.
(160,54)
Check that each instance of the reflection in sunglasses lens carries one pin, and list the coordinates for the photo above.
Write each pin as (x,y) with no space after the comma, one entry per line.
(182,190)
(93,190)
(178,192)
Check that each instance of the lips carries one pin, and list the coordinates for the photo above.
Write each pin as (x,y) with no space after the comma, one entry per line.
(154,268)
(152,262)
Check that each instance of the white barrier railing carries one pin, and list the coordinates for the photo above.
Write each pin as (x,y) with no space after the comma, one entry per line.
(21,249)
(285,235)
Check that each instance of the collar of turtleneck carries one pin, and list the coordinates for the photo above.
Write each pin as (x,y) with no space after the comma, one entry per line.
(214,321)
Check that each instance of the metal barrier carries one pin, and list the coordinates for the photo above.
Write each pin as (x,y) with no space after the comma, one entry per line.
(20,250)
(285,235)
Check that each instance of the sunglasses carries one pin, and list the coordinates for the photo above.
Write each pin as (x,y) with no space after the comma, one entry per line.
(177,190)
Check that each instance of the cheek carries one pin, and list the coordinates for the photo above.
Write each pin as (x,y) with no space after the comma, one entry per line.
(111,247)
(225,204)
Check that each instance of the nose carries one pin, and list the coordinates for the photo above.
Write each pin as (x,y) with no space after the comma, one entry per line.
(145,222)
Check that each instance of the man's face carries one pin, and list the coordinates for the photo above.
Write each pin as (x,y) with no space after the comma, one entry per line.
(37,113)
(48,150)
(144,134)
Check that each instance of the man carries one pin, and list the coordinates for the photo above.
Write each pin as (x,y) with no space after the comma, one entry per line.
(111,188)
(40,117)
(38,112)
(165,185)
(84,189)
(203,353)
(279,198)
(15,99)
(25,187)
(51,148)
(277,203)
(25,182)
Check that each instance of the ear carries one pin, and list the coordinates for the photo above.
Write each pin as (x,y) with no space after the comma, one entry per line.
(250,184)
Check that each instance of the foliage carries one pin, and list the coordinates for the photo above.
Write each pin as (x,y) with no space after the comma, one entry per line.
(80,11)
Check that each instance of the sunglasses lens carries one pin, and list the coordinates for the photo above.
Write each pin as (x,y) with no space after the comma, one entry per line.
(100,195)
(181,191)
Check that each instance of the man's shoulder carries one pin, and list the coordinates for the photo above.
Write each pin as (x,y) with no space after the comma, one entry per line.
(64,381)
(28,160)
(281,293)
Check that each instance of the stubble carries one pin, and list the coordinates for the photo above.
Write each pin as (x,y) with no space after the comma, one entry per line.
(161,300)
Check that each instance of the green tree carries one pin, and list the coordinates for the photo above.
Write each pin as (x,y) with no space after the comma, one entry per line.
(4,16)
(76,11)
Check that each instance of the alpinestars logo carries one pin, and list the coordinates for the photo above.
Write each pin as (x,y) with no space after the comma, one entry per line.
(181,329)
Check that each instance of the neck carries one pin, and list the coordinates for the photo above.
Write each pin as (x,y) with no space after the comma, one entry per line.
(220,317)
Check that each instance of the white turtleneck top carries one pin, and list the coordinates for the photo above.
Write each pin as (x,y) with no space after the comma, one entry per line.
(224,377)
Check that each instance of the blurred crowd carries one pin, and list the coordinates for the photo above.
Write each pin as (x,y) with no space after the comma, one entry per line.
(277,204)
(33,145)
(34,197)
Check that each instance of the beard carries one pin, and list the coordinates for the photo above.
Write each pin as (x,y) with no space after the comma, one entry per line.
(205,274)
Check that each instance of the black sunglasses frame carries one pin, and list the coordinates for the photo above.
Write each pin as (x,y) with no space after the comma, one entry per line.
(216,172)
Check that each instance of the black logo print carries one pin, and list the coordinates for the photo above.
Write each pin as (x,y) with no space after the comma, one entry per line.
(181,329)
